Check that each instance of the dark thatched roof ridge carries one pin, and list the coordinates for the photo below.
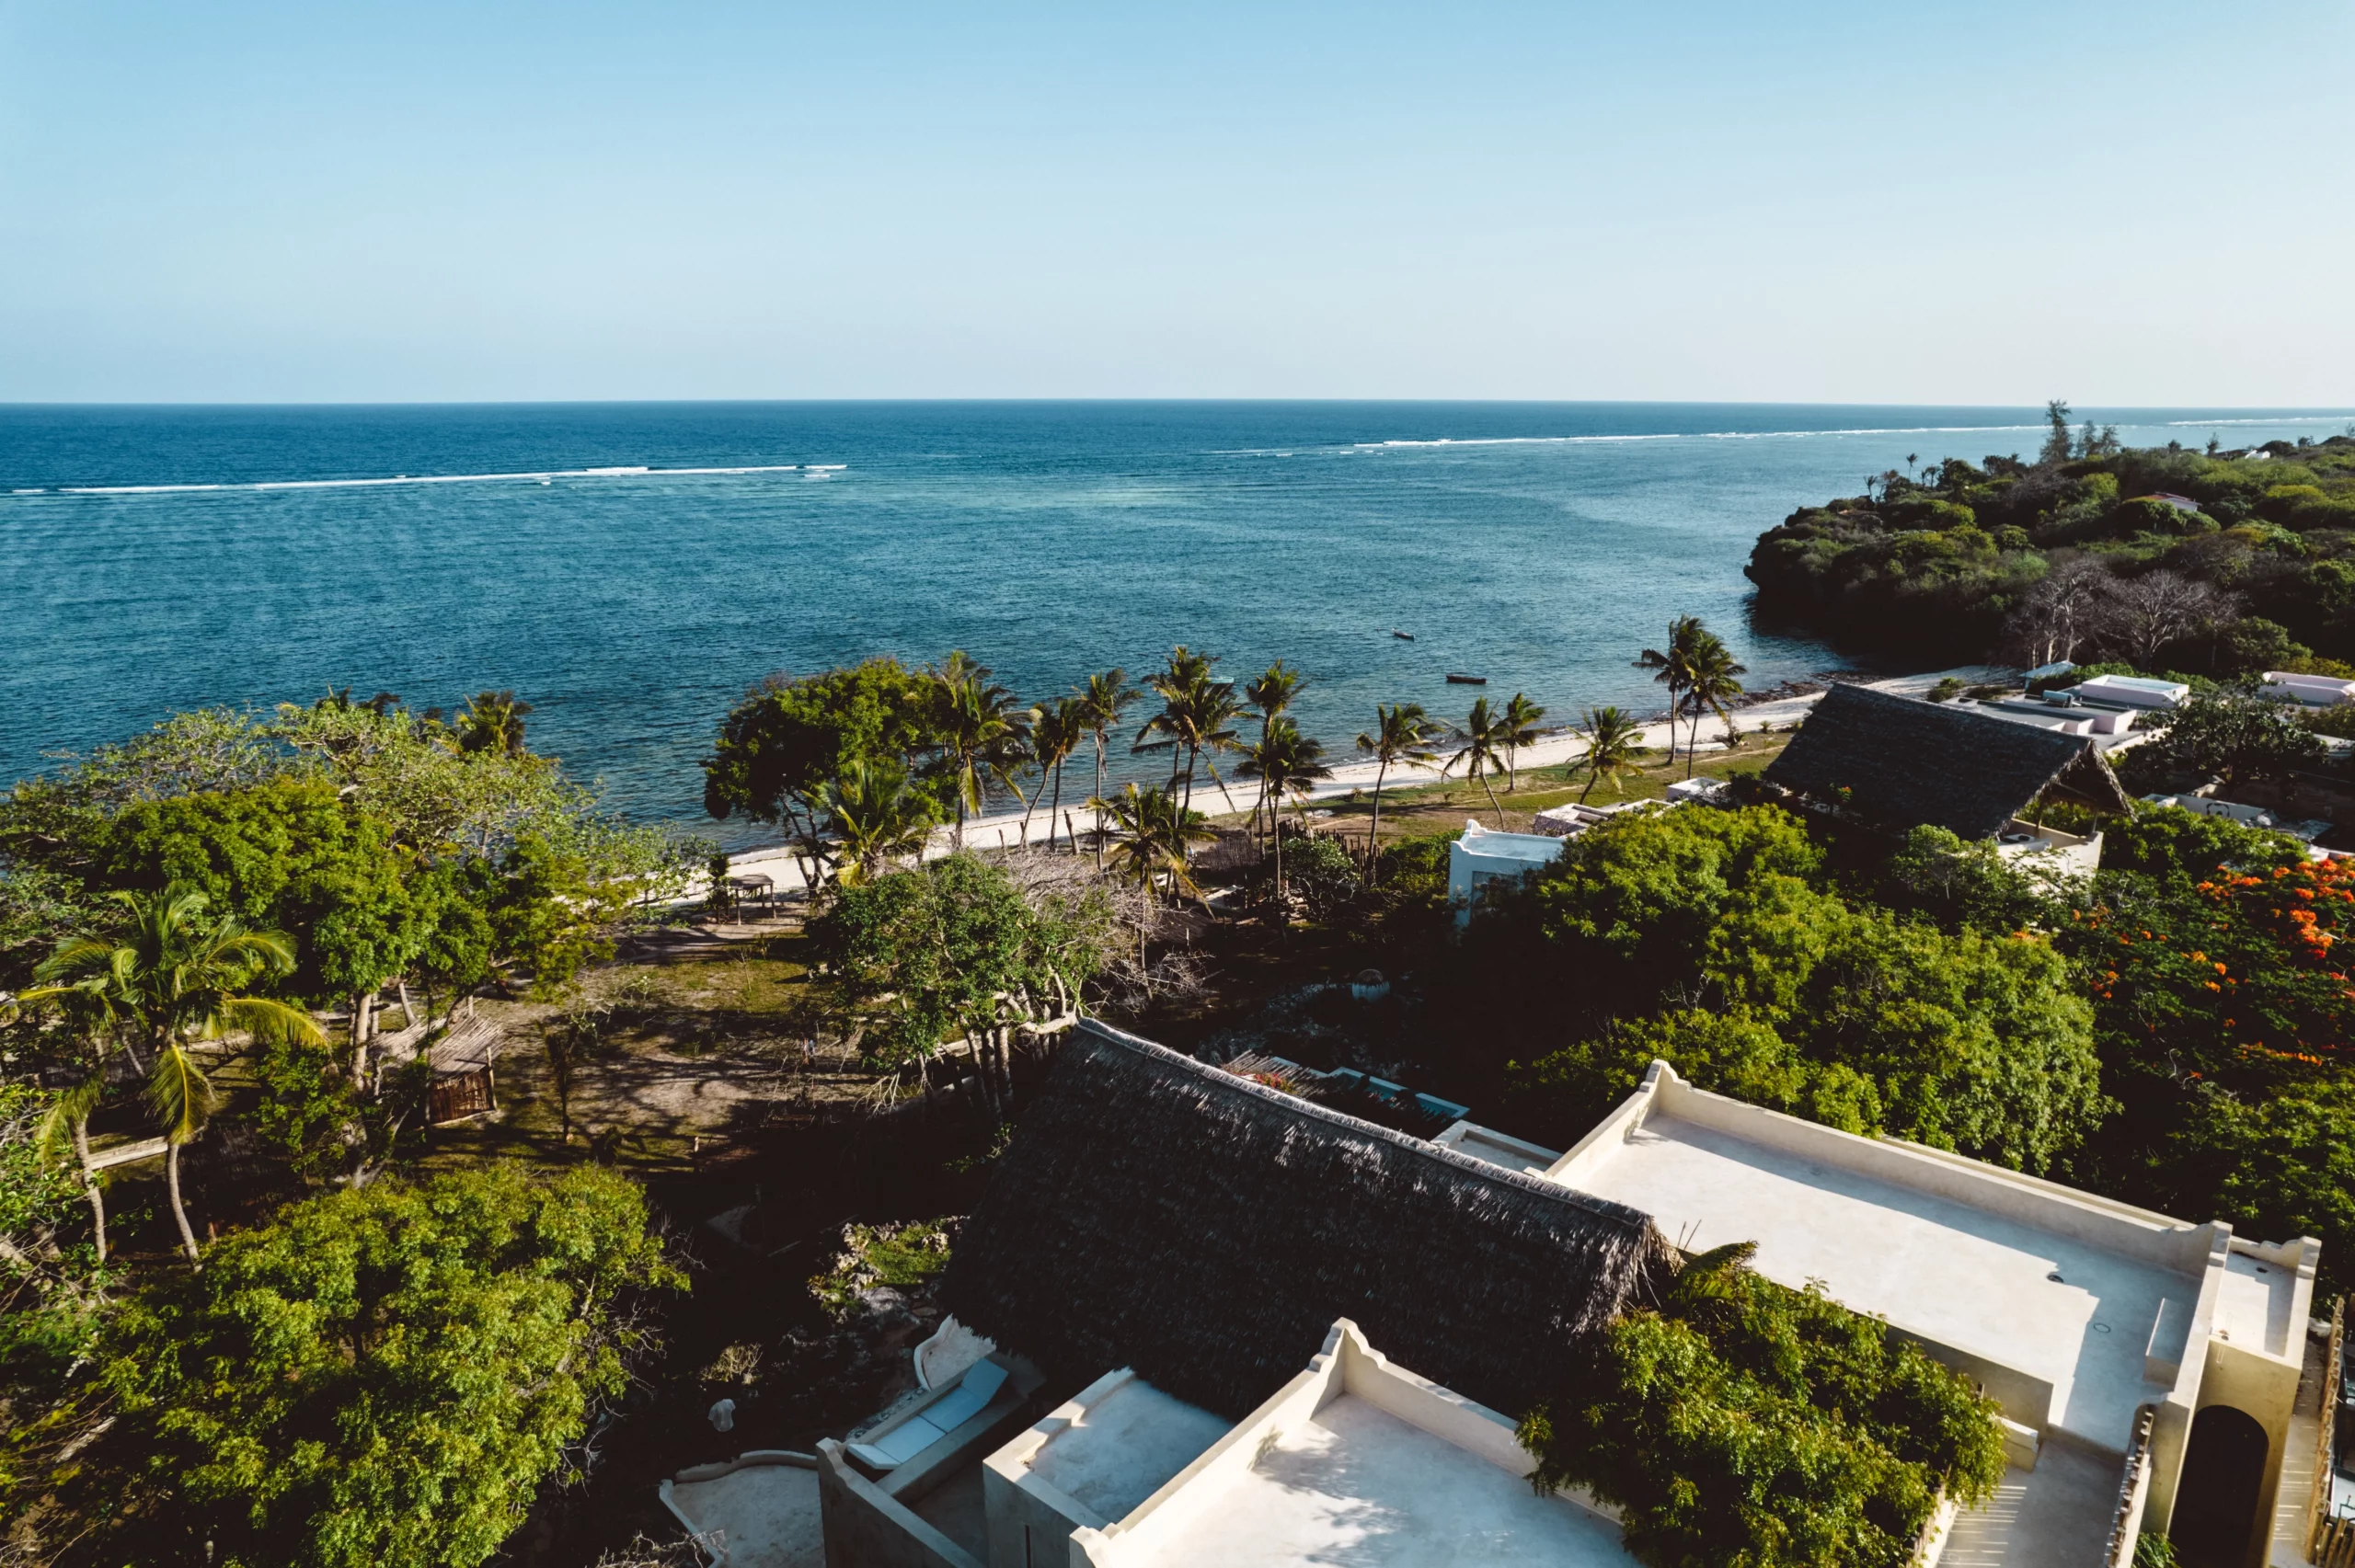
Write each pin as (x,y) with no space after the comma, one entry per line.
(1158,1213)
(1906,763)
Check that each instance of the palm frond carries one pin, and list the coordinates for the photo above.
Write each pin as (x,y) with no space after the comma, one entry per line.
(53,1139)
(178,1092)
(265,1019)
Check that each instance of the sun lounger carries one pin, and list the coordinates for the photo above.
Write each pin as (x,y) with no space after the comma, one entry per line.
(920,1430)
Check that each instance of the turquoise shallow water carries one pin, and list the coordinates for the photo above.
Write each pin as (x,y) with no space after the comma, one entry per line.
(1540,545)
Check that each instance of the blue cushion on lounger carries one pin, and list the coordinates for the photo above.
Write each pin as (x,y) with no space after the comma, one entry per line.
(935,1421)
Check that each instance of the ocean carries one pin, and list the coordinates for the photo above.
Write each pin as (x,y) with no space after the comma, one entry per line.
(159,559)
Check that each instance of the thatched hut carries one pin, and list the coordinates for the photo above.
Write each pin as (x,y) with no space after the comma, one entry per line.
(1898,762)
(463,1052)
(1158,1213)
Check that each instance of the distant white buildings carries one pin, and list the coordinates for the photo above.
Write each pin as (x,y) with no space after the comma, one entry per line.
(2312,691)
(2132,692)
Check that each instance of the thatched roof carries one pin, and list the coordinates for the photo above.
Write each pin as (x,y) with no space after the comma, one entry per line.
(1158,1213)
(460,1044)
(1904,762)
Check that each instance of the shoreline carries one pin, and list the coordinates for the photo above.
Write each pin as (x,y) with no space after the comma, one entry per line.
(782,862)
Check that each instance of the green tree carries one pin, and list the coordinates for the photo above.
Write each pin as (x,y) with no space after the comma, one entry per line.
(1845,1013)
(1403,736)
(2173,844)
(2235,739)
(1151,832)
(955,949)
(382,1377)
(876,815)
(1613,741)
(2056,438)
(979,732)
(491,721)
(1480,742)
(1272,696)
(1195,720)
(790,737)
(1741,1422)
(1519,723)
(1712,683)
(1287,764)
(1056,730)
(1104,701)
(1672,666)
(174,976)
(289,856)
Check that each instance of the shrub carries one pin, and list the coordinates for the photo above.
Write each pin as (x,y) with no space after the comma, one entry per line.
(1743,1421)
(1322,873)
(899,1256)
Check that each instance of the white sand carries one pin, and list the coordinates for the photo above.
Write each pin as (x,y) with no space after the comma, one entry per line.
(1006,831)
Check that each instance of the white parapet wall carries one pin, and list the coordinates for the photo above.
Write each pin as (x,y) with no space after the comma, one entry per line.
(1225,1484)
(2072,1310)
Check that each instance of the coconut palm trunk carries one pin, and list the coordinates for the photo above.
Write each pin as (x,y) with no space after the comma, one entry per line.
(179,1209)
(90,1188)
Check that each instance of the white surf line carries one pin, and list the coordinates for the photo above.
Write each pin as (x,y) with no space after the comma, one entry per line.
(634,471)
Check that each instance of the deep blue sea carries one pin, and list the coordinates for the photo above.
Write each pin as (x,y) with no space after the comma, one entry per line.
(159,559)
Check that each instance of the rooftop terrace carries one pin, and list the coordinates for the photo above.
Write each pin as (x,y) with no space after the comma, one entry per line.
(2071,1315)
(1360,1463)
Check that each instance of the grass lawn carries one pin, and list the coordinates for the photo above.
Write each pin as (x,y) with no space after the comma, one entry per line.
(1414,812)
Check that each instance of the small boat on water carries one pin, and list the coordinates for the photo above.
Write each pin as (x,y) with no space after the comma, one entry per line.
(1404,637)
(1468,679)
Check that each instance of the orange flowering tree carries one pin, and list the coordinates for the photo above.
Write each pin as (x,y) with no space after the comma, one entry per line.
(2224,992)
(2241,978)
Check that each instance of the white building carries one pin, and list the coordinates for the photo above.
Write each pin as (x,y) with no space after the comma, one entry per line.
(1157,1219)
(1481,857)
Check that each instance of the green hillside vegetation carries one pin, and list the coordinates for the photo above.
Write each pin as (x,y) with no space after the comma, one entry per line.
(2071,556)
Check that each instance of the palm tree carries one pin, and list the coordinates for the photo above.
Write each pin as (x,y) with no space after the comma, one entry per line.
(1286,763)
(1103,701)
(1711,684)
(978,730)
(877,814)
(1402,733)
(175,976)
(1056,731)
(1520,723)
(1480,746)
(1150,831)
(67,1120)
(1613,740)
(1197,715)
(1674,667)
(1272,695)
(491,721)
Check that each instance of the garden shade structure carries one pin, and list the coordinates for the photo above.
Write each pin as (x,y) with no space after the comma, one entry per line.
(1901,762)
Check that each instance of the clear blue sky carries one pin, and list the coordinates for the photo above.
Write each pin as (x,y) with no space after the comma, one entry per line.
(261,200)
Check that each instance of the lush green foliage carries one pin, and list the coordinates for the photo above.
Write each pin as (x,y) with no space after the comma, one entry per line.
(1958,560)
(2234,739)
(384,1377)
(1744,1423)
(895,1256)
(954,946)
(2224,1012)
(1715,941)
(1322,873)
(371,837)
